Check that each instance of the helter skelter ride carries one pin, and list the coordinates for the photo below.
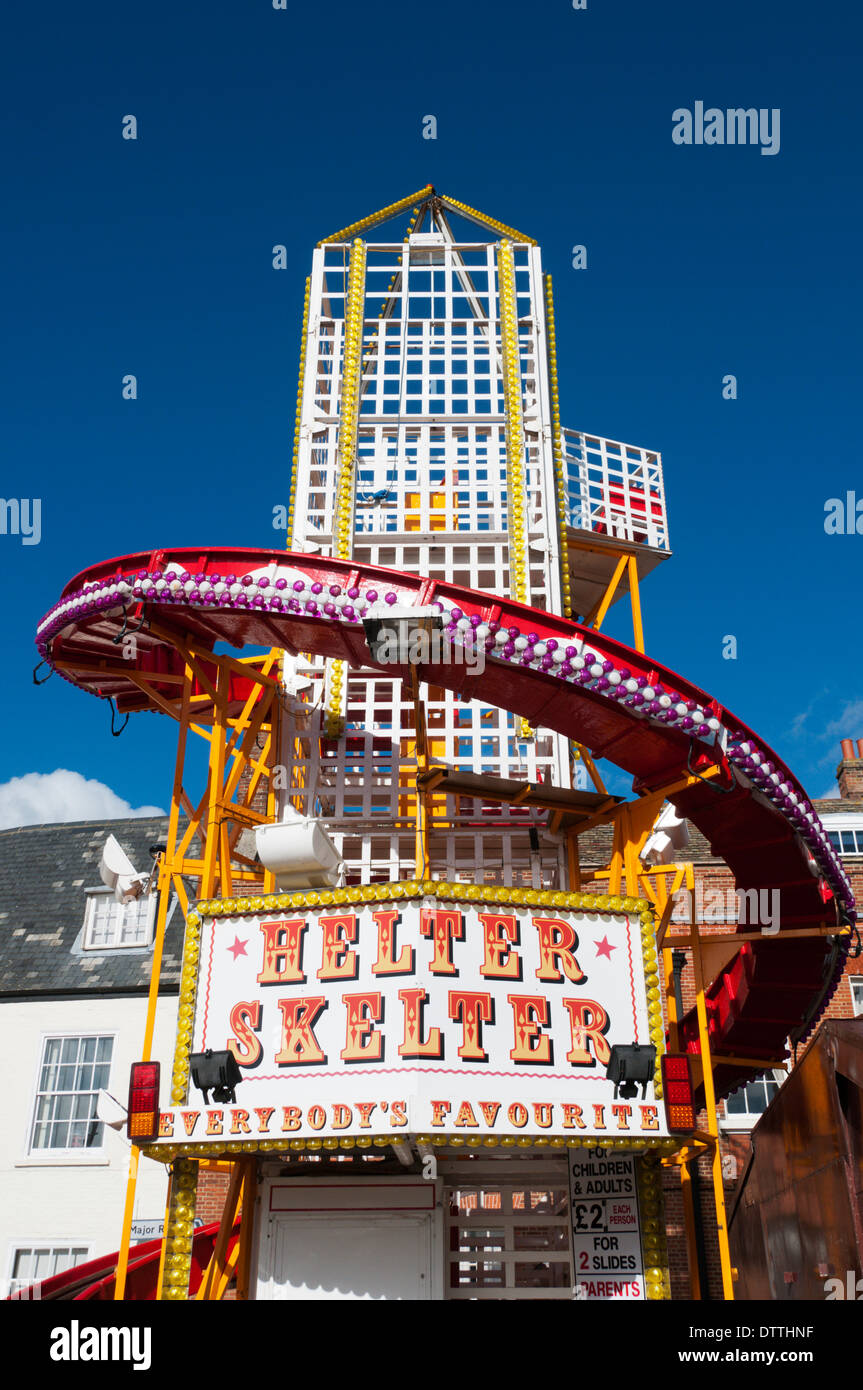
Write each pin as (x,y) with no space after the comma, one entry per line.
(459,987)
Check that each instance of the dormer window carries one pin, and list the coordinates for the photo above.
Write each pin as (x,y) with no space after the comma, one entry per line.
(111,926)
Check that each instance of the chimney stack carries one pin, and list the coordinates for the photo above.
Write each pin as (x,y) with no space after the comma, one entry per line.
(849,773)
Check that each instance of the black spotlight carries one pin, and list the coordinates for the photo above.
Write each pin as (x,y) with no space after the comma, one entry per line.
(631,1065)
(217,1072)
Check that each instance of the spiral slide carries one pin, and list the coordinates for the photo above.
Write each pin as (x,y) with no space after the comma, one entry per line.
(557,674)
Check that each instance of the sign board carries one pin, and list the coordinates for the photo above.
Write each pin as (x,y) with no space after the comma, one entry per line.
(152,1230)
(420,1016)
(606,1231)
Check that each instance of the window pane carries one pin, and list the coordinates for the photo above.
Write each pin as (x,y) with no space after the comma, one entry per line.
(58,1137)
(78,1135)
(84,1107)
(540,1238)
(849,845)
(468,1239)
(22,1265)
(31,1265)
(542,1276)
(42,1264)
(482,1275)
(68,1093)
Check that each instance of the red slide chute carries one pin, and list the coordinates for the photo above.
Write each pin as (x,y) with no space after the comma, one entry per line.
(619,703)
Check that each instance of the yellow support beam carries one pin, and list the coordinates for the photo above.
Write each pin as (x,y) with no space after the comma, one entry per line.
(349,410)
(516,490)
(710,1098)
(557,451)
(239,746)
(473,215)
(383,215)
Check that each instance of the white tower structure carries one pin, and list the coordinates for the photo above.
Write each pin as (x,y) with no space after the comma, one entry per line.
(429,440)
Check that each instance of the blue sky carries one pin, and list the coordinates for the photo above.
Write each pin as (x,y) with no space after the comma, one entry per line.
(259,126)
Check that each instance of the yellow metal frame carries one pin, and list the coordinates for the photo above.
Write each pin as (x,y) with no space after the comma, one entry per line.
(225,1264)
(349,414)
(516,490)
(203,849)
(557,450)
(483,220)
(374,218)
(626,563)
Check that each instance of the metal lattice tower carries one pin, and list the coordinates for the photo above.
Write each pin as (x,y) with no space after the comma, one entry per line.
(428,439)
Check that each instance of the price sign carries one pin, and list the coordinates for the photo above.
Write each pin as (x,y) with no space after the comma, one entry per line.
(606,1232)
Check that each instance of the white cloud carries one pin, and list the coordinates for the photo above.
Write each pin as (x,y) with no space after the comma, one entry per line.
(42,798)
(849,722)
(832,794)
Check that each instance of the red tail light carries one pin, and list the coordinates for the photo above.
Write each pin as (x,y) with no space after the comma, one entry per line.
(677,1092)
(143,1116)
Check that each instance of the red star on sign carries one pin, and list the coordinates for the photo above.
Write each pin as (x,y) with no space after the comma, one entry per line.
(604,947)
(239,947)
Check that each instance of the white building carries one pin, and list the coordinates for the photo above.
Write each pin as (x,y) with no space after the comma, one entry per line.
(74,975)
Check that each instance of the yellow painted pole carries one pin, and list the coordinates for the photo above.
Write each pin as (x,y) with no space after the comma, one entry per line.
(421,860)
(689,1224)
(247,1227)
(635,603)
(710,1099)
(165,866)
(596,619)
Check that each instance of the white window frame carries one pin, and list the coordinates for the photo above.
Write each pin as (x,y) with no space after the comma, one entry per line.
(849,820)
(749,1119)
(52,1243)
(95,895)
(855,984)
(65,1156)
(509,1175)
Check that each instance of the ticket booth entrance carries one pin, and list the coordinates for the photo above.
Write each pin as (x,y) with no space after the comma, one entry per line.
(346,1238)
(478,1231)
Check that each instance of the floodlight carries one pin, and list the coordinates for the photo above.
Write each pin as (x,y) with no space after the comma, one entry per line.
(398,635)
(217,1072)
(299,852)
(669,836)
(631,1065)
